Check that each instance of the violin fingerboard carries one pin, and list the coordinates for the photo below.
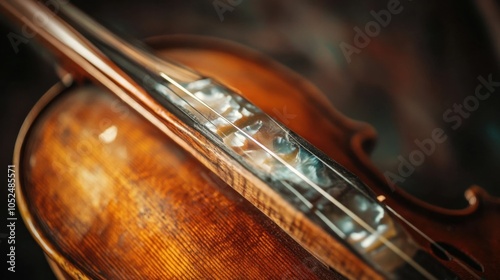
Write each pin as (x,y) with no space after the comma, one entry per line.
(319,188)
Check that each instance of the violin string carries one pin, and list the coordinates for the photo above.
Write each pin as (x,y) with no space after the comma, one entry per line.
(321,215)
(327,165)
(430,240)
(418,231)
(309,205)
(321,191)
(334,201)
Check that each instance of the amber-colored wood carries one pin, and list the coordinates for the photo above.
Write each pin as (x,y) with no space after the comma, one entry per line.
(282,81)
(81,153)
(471,230)
(76,176)
(93,64)
(139,206)
(342,139)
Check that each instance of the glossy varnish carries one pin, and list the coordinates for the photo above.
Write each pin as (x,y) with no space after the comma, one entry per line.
(109,196)
(118,200)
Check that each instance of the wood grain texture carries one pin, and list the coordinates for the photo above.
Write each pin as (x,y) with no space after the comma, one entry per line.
(82,153)
(91,63)
(348,142)
(88,199)
(140,207)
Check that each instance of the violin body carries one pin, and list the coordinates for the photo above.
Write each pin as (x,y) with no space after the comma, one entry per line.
(109,196)
(140,206)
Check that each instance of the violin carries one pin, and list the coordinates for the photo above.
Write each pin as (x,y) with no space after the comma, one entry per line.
(172,162)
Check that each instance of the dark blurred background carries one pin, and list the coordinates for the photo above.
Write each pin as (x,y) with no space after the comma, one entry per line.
(426,58)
